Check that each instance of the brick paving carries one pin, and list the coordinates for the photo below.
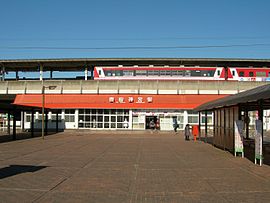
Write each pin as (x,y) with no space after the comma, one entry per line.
(87,166)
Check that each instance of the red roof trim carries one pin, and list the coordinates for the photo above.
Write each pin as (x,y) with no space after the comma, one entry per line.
(101,101)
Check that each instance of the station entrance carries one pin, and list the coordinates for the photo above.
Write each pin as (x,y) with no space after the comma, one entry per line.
(148,119)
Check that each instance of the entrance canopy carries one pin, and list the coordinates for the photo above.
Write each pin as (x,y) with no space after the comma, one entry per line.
(115,101)
(249,100)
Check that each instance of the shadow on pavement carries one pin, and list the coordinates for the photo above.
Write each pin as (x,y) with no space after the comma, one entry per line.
(23,136)
(18,169)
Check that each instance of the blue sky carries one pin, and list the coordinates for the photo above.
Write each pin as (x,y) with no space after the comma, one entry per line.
(128,23)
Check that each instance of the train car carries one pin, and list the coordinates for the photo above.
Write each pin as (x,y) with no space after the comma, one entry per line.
(181,73)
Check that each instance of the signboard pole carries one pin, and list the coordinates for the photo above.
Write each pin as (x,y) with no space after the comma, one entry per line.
(238,137)
(258,142)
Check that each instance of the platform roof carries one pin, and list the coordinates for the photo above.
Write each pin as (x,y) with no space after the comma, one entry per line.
(249,99)
(71,64)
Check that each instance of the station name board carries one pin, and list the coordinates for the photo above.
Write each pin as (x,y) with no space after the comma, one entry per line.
(130,99)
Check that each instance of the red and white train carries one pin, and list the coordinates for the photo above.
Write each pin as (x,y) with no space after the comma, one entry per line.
(182,73)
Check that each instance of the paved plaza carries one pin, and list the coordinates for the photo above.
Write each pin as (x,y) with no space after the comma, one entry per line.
(88,166)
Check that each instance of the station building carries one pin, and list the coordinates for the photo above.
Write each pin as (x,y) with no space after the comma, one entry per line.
(162,90)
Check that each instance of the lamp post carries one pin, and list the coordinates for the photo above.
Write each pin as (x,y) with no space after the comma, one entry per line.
(43,106)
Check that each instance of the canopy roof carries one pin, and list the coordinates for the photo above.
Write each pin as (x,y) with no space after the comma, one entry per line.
(251,99)
(71,64)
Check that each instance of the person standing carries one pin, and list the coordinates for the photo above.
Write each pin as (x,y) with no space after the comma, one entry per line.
(175,125)
(125,123)
(187,132)
(152,125)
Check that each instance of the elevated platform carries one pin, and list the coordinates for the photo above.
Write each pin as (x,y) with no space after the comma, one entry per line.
(127,87)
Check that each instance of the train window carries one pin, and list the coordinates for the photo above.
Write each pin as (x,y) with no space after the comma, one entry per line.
(141,72)
(118,73)
(165,72)
(174,72)
(241,73)
(233,73)
(187,73)
(218,72)
(268,74)
(251,74)
(108,72)
(210,73)
(128,72)
(153,72)
(180,73)
(196,73)
(260,74)
(99,72)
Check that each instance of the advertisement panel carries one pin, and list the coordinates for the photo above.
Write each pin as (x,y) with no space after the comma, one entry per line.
(238,137)
(258,142)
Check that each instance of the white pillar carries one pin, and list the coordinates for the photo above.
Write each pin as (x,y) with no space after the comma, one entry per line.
(85,74)
(76,118)
(130,119)
(40,72)
(63,114)
(185,118)
(37,114)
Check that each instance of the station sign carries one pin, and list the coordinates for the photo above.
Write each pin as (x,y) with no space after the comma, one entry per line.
(130,99)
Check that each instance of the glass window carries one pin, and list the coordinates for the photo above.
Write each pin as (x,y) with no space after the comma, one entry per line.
(28,118)
(69,118)
(106,118)
(180,72)
(187,73)
(128,72)
(193,119)
(135,119)
(108,73)
(153,72)
(119,125)
(69,111)
(241,74)
(209,119)
(118,73)
(119,111)
(100,118)
(113,118)
(251,74)
(120,119)
(141,72)
(165,72)
(53,118)
(260,74)
(233,73)
(196,73)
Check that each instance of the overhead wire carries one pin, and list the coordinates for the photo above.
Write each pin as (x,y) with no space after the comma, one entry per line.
(132,47)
